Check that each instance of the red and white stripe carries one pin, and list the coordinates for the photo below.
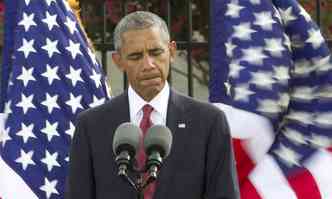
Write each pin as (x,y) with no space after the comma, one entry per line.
(260,177)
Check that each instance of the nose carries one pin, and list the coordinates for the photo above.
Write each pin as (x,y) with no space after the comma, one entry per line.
(148,62)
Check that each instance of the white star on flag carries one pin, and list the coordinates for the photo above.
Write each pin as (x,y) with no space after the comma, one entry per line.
(49,188)
(25,159)
(274,46)
(50,130)
(71,25)
(235,68)
(51,73)
(7,108)
(74,49)
(26,103)
(74,102)
(27,47)
(229,48)
(287,15)
(26,132)
(50,160)
(315,38)
(51,47)
(233,10)
(71,130)
(50,20)
(281,73)
(4,136)
(27,21)
(26,76)
(242,92)
(243,31)
(96,78)
(264,20)
(254,55)
(74,75)
(50,102)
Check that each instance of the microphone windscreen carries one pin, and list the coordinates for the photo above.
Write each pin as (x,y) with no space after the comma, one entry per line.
(158,137)
(126,137)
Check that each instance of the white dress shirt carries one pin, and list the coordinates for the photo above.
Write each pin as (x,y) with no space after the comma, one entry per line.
(159,104)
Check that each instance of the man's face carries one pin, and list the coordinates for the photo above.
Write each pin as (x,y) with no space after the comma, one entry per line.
(146,58)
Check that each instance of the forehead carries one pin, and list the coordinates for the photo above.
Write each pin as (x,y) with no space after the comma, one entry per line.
(144,38)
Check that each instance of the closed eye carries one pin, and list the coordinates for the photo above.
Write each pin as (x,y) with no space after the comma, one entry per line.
(135,56)
(139,55)
(156,51)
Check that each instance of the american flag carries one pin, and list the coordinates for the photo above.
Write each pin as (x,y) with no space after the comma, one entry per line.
(54,75)
(272,75)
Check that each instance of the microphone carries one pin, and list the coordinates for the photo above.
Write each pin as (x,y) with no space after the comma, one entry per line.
(157,146)
(125,144)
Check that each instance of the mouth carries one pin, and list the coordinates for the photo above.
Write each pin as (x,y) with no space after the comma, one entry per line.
(150,76)
(151,80)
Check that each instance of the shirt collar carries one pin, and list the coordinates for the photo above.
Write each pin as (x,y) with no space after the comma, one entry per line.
(159,102)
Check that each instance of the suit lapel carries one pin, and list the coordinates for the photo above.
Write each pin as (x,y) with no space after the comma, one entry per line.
(118,113)
(121,105)
(174,113)
(175,116)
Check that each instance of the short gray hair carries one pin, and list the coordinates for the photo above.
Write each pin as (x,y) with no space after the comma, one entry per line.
(137,21)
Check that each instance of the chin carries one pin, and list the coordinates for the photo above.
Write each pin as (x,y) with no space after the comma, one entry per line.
(153,91)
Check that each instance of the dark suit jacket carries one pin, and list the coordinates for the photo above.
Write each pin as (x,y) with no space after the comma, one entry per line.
(199,166)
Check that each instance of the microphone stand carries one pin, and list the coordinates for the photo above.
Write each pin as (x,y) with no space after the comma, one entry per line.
(138,184)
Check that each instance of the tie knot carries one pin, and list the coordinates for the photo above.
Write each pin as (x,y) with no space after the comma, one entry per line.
(147,109)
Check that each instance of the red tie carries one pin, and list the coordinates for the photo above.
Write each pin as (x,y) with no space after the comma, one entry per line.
(145,124)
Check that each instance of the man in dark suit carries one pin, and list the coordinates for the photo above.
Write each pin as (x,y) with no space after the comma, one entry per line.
(200,164)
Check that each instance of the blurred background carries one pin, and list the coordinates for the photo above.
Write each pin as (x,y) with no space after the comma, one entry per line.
(188,21)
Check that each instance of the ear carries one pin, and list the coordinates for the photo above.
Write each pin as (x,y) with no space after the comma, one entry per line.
(172,50)
(116,57)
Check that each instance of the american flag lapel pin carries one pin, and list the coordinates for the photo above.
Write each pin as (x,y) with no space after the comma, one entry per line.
(182,125)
